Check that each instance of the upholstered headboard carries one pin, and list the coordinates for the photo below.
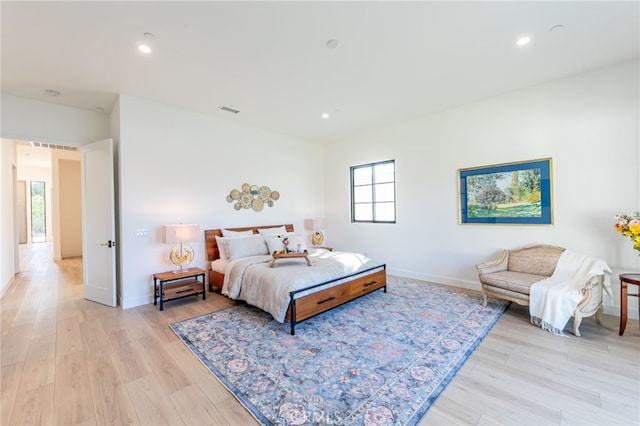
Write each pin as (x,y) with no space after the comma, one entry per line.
(212,244)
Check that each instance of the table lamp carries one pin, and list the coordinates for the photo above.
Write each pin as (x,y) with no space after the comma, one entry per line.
(318,237)
(180,234)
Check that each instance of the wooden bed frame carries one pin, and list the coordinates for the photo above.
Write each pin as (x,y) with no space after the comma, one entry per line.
(310,305)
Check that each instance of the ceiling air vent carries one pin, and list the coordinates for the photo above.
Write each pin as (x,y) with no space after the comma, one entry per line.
(53,146)
(229,109)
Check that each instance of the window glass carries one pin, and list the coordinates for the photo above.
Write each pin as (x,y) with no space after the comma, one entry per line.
(364,212)
(362,194)
(384,192)
(384,172)
(362,176)
(385,212)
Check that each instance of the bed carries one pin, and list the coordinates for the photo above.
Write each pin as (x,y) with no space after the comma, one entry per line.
(300,292)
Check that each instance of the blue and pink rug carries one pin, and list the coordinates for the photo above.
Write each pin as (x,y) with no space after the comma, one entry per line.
(379,360)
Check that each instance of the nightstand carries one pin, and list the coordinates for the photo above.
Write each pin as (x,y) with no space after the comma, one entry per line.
(176,285)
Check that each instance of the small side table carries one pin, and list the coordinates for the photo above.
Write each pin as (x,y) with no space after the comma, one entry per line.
(625,279)
(176,285)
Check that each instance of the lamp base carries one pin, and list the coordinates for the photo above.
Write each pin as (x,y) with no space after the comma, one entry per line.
(317,239)
(181,257)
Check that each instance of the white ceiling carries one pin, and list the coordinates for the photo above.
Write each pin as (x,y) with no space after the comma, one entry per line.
(395,60)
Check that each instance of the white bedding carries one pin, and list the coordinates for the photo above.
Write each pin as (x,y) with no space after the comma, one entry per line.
(220,265)
(252,279)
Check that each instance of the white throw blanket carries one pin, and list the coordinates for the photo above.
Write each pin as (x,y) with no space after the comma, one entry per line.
(553,301)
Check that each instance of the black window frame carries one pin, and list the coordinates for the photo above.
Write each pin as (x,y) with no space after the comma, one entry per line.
(373,184)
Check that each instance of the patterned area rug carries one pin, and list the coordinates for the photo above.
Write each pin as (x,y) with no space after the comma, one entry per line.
(381,359)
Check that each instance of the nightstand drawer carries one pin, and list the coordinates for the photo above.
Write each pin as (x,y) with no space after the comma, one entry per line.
(181,288)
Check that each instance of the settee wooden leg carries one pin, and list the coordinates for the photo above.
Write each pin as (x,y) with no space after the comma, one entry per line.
(484,303)
(577,319)
(599,314)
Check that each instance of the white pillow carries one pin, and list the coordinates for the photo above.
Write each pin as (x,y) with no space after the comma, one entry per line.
(239,247)
(229,233)
(221,251)
(274,243)
(226,233)
(273,231)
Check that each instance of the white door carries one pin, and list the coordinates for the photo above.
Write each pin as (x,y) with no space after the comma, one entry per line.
(98,224)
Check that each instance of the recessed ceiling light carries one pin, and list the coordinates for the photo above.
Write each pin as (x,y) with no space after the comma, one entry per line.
(333,43)
(52,92)
(325,115)
(522,41)
(145,45)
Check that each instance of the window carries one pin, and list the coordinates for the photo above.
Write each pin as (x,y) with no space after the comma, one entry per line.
(373,192)
(38,213)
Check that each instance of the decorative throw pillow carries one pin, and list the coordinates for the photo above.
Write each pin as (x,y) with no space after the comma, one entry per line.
(296,242)
(226,233)
(240,247)
(221,251)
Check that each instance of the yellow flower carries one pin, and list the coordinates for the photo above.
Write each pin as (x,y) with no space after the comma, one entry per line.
(629,226)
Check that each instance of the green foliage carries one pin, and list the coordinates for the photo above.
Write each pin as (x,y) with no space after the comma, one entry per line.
(490,197)
(521,198)
(506,210)
(531,180)
(477,183)
(37,207)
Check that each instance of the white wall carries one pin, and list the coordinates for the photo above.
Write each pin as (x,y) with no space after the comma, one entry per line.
(30,120)
(588,124)
(67,186)
(177,166)
(7,235)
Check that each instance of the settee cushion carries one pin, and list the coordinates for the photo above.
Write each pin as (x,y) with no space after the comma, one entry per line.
(537,260)
(519,282)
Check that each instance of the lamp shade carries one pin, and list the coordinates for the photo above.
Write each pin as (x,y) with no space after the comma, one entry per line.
(178,234)
(318,223)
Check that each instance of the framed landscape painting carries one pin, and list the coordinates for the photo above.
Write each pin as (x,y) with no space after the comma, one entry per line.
(510,193)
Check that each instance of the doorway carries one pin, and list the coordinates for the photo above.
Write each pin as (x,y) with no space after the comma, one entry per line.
(48,193)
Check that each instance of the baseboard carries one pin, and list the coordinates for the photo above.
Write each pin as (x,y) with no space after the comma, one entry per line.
(6,286)
(436,279)
(137,301)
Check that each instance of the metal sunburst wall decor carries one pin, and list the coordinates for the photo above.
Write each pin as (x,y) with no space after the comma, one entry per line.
(252,197)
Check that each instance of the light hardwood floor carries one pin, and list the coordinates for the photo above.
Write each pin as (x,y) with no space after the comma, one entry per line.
(68,361)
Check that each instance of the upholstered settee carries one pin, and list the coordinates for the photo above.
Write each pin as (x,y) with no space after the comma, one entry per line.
(511,276)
